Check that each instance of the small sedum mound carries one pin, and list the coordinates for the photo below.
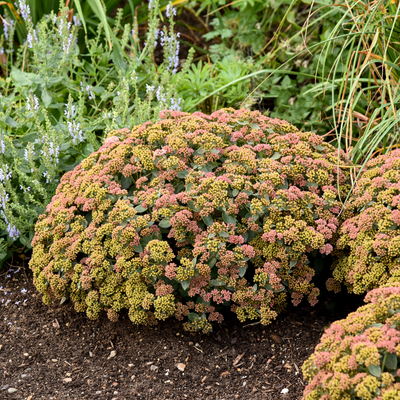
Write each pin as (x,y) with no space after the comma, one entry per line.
(369,242)
(190,215)
(358,357)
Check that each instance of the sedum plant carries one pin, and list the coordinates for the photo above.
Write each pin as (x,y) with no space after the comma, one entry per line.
(368,246)
(359,357)
(60,97)
(189,215)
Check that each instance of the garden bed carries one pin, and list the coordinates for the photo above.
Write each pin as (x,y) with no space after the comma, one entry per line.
(55,353)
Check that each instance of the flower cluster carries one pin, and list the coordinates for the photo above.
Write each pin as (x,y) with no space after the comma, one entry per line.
(369,239)
(191,214)
(358,357)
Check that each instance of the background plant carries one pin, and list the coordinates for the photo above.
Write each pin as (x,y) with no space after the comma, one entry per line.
(363,80)
(278,40)
(57,103)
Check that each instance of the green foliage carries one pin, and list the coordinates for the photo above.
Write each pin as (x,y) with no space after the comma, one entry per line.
(360,76)
(267,37)
(56,103)
(190,215)
(203,79)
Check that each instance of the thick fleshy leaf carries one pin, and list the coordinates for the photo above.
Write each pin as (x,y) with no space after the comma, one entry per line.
(208,220)
(375,370)
(390,361)
(165,223)
(228,219)
(185,284)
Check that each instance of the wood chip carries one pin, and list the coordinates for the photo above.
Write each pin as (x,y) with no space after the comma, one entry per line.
(276,338)
(237,359)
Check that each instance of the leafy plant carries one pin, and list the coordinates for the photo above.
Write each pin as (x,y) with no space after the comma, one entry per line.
(368,246)
(189,214)
(281,41)
(57,103)
(202,80)
(358,357)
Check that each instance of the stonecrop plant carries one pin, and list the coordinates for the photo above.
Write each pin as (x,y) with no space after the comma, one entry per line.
(189,215)
(368,247)
(359,357)
(60,97)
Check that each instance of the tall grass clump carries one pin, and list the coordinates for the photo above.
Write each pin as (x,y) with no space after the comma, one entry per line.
(362,83)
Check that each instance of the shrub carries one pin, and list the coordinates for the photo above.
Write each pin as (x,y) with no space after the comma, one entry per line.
(369,239)
(190,214)
(358,356)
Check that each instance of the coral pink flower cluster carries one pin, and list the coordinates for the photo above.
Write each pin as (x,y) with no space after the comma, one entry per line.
(369,239)
(358,357)
(190,215)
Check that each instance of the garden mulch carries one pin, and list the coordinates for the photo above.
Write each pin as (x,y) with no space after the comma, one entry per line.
(56,353)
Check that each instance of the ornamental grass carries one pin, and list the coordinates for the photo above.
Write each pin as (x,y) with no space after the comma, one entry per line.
(369,240)
(189,216)
(358,357)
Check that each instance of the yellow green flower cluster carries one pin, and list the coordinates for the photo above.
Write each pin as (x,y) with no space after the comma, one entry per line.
(189,216)
(359,357)
(368,247)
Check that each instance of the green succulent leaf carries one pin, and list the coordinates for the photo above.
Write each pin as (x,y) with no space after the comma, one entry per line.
(183,174)
(164,223)
(138,248)
(375,370)
(228,219)
(192,206)
(208,220)
(140,208)
(192,316)
(390,361)
(212,262)
(126,182)
(185,284)
(216,282)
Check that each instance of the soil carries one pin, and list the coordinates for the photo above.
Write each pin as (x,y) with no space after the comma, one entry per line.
(56,353)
